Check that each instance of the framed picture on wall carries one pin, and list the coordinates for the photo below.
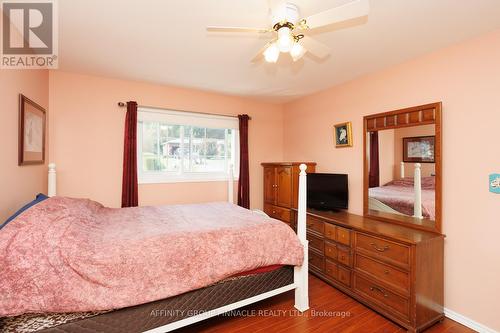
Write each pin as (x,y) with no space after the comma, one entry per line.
(419,149)
(343,135)
(32,119)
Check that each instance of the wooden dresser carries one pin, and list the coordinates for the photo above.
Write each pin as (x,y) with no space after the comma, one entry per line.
(281,188)
(394,270)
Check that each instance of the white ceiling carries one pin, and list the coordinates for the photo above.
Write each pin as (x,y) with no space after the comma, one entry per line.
(165,41)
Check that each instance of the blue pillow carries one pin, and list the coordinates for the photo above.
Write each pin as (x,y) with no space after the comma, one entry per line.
(39,198)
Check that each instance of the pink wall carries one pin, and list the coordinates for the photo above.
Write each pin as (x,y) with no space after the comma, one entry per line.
(19,185)
(466,78)
(87,137)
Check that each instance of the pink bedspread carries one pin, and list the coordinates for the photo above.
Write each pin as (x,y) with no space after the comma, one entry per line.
(74,255)
(400,196)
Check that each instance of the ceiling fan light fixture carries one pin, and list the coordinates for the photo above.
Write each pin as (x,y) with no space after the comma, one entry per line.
(285,39)
(297,51)
(272,53)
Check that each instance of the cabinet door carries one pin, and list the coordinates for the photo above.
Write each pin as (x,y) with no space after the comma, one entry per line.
(270,185)
(284,182)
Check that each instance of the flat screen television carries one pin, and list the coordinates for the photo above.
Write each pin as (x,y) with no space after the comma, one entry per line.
(327,191)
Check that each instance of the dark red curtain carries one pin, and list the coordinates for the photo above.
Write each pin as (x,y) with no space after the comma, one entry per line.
(244,181)
(130,187)
(374,175)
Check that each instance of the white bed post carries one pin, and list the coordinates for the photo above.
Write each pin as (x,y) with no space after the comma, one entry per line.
(417,208)
(52,181)
(230,185)
(402,170)
(301,273)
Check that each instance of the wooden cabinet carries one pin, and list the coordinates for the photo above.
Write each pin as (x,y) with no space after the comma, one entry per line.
(281,187)
(270,185)
(395,270)
(284,186)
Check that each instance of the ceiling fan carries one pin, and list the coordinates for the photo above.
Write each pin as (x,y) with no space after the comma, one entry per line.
(289,30)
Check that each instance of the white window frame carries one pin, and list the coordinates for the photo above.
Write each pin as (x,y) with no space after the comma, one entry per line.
(185,118)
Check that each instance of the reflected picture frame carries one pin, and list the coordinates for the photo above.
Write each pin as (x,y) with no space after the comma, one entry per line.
(419,149)
(32,128)
(342,134)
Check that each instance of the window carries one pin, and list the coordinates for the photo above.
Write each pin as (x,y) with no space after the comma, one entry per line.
(176,146)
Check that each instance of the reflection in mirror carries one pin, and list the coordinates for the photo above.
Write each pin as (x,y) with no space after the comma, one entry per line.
(401,172)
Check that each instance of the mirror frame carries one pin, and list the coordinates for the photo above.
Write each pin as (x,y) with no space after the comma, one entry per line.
(414,116)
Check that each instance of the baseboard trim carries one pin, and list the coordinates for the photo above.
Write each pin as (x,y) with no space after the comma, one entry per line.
(467,321)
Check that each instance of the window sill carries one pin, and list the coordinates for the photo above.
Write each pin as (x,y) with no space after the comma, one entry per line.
(162,179)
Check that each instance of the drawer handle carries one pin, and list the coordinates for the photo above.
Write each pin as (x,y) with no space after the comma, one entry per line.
(274,212)
(380,290)
(342,257)
(380,249)
(387,272)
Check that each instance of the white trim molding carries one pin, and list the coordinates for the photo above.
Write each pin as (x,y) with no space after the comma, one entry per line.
(459,318)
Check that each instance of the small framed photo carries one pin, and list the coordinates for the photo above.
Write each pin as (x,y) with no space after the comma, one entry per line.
(32,119)
(419,149)
(343,135)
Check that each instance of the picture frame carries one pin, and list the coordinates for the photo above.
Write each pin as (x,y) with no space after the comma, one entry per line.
(342,134)
(419,149)
(32,128)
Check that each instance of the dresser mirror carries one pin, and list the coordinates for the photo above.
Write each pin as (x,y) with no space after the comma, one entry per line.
(402,167)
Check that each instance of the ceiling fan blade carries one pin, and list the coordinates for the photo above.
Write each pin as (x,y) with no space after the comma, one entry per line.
(274,4)
(314,47)
(237,29)
(351,10)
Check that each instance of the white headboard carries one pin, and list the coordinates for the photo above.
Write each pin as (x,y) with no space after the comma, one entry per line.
(52,182)
(230,185)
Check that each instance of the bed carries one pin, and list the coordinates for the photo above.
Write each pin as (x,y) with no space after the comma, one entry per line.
(75,263)
(411,196)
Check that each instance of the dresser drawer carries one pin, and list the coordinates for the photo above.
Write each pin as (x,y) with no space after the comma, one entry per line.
(331,269)
(316,261)
(373,291)
(383,249)
(344,256)
(343,236)
(338,273)
(276,212)
(316,225)
(388,274)
(344,276)
(316,242)
(330,231)
(331,250)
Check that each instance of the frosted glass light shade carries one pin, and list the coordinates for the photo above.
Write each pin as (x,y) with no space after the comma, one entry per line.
(297,51)
(272,53)
(285,39)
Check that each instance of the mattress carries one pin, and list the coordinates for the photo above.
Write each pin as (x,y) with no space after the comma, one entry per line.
(155,314)
(69,255)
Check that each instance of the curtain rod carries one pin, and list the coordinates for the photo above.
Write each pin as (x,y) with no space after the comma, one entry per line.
(122,104)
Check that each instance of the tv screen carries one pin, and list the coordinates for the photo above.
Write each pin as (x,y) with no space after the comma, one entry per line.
(327,191)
